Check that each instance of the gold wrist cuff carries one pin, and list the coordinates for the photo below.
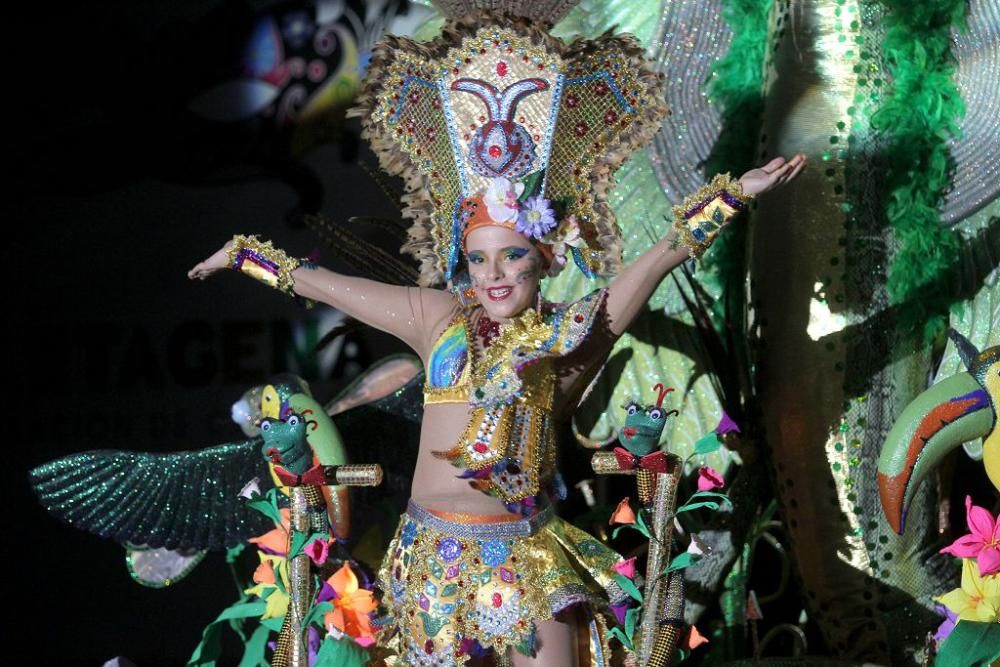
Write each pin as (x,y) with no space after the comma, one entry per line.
(262,261)
(702,215)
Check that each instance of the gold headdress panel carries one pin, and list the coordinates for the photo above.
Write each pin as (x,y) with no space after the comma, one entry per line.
(495,97)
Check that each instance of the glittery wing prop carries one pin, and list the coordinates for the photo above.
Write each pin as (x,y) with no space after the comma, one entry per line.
(179,501)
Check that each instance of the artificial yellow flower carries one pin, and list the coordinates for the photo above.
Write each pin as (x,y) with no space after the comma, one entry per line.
(979,597)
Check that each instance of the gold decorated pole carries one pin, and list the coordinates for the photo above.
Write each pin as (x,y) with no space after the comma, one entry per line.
(291,649)
(308,514)
(658,493)
(670,622)
(655,597)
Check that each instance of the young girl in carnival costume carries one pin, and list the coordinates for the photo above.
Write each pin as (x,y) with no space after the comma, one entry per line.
(507,140)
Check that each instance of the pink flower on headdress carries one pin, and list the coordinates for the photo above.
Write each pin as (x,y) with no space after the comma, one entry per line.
(536,219)
(709,478)
(982,542)
(501,200)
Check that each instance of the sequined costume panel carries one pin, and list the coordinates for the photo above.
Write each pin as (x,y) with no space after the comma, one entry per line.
(451,586)
(448,366)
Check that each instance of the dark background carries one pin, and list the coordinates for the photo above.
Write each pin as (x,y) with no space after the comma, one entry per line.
(116,192)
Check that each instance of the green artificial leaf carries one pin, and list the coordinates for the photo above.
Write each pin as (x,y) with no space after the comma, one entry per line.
(267,505)
(273,624)
(709,494)
(234,552)
(707,444)
(532,184)
(693,506)
(680,561)
(208,649)
(316,613)
(253,652)
(631,618)
(342,652)
(629,587)
(620,636)
(970,644)
(641,525)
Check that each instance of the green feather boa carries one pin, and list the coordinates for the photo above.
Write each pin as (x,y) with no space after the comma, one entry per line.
(920,115)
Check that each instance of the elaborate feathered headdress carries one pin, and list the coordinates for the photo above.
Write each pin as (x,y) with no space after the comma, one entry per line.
(497,105)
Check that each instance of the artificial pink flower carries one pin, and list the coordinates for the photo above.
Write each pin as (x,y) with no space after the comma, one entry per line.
(983,541)
(623,513)
(626,567)
(709,478)
(319,550)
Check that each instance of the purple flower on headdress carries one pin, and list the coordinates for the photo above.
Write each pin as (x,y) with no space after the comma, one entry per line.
(536,217)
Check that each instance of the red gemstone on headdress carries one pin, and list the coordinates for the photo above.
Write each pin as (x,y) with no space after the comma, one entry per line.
(497,600)
(501,68)
(495,151)
(480,447)
(429,647)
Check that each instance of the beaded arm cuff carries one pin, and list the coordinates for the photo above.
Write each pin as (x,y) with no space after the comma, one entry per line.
(700,218)
(262,261)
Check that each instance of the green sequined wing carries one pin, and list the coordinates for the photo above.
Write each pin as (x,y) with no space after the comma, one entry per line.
(182,500)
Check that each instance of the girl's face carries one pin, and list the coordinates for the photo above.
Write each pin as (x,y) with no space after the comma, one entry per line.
(505,270)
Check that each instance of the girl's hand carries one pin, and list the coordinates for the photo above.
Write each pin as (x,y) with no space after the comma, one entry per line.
(775,173)
(217,262)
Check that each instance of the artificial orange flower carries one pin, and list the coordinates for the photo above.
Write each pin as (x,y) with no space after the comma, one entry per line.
(267,587)
(351,607)
(623,513)
(276,539)
(694,639)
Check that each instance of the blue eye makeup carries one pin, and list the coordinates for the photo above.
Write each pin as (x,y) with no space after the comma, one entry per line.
(515,253)
(475,258)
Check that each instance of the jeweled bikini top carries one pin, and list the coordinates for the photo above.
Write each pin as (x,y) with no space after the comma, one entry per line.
(508,448)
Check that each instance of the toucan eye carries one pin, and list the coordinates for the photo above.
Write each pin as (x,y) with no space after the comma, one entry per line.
(655,413)
(265,425)
(293,420)
(632,409)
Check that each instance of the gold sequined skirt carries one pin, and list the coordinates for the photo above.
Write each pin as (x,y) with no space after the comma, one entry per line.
(452,589)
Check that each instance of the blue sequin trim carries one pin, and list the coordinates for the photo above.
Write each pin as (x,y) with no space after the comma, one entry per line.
(456,148)
(604,74)
(581,264)
(410,79)
(501,530)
